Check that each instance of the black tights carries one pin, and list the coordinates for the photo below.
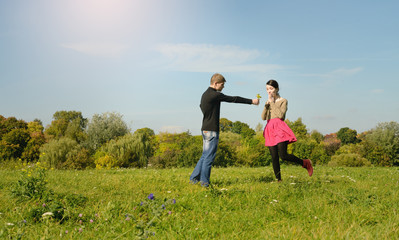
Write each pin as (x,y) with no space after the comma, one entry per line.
(281,150)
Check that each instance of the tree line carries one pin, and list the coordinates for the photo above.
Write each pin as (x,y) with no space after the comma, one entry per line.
(105,141)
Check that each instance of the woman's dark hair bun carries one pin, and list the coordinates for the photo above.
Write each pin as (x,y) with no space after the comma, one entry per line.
(272,83)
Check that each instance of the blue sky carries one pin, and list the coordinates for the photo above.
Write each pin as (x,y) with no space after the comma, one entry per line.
(337,62)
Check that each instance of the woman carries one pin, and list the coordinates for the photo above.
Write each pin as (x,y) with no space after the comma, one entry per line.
(277,133)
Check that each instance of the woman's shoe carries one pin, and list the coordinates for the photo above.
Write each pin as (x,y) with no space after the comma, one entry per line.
(308,165)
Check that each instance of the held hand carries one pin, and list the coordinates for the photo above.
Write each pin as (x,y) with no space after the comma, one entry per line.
(271,99)
(255,101)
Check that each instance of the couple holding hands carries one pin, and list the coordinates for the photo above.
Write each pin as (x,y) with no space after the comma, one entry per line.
(277,133)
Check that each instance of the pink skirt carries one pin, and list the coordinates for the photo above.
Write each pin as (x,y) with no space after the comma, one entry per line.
(277,131)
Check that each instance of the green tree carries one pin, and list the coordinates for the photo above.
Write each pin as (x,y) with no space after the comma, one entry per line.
(347,136)
(55,153)
(8,124)
(67,124)
(331,143)
(317,136)
(148,131)
(225,125)
(14,137)
(298,127)
(31,152)
(13,143)
(243,129)
(386,137)
(104,127)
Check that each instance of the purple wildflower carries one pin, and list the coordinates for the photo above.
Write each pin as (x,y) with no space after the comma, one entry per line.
(91,220)
(170,212)
(163,206)
(80,215)
(174,201)
(44,205)
(66,231)
(151,196)
(80,230)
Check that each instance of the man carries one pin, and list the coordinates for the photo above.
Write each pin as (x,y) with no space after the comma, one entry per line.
(210,107)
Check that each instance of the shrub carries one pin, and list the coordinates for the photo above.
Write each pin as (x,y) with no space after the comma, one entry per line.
(131,150)
(105,161)
(225,155)
(348,160)
(78,158)
(176,150)
(54,154)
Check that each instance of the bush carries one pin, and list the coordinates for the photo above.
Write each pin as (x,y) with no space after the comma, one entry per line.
(131,150)
(54,154)
(78,158)
(225,155)
(176,150)
(348,160)
(253,152)
(105,161)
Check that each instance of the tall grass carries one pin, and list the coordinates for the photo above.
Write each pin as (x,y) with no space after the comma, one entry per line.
(242,203)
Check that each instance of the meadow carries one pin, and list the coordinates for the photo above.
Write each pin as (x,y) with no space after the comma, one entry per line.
(242,203)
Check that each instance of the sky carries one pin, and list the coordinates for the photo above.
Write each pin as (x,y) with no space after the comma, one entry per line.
(337,62)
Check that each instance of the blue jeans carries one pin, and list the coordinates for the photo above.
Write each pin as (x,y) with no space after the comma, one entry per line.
(202,171)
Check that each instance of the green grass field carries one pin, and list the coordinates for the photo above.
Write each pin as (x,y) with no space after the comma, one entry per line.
(243,203)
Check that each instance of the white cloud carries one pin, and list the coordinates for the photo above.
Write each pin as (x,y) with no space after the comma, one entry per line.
(212,58)
(97,49)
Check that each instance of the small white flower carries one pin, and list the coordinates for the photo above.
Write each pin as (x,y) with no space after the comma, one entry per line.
(169,192)
(274,200)
(292,183)
(47,214)
(223,189)
(10,224)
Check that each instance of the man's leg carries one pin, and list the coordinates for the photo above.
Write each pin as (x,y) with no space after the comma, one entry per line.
(212,140)
(195,176)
